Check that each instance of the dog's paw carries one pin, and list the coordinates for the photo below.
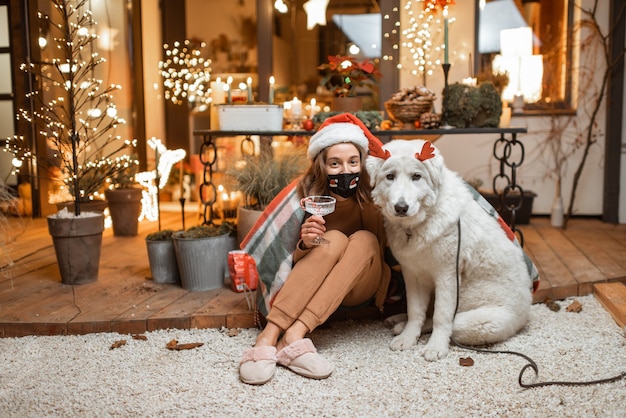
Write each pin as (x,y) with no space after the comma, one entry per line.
(435,351)
(403,342)
(399,328)
(393,320)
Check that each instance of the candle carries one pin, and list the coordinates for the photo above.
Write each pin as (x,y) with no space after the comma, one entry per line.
(271,89)
(445,41)
(313,108)
(249,82)
(217,91)
(228,88)
(469,81)
(296,107)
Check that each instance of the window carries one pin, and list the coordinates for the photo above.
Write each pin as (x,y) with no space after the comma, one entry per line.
(550,24)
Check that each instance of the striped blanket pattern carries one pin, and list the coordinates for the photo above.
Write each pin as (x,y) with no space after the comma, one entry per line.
(532,269)
(272,241)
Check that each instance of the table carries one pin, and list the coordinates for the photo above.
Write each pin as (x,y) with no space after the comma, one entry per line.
(507,149)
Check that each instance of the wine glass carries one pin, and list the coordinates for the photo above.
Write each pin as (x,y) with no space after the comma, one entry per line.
(319,205)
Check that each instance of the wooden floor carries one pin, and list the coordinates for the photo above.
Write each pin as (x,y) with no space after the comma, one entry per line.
(33,301)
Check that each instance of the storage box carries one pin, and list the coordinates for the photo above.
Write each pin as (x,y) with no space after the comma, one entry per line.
(244,117)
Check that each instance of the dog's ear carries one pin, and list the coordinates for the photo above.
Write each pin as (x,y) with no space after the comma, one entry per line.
(372,165)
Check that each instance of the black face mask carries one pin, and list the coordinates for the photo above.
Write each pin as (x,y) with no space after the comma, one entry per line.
(344,185)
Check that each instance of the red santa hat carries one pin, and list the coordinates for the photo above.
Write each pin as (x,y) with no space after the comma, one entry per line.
(344,128)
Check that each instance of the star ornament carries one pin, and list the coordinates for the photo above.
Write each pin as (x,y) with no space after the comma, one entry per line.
(315,13)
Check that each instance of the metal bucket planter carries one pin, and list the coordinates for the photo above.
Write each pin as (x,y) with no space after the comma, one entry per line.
(202,262)
(77,244)
(163,264)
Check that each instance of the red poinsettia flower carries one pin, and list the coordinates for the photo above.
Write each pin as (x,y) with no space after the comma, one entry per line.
(435,4)
(345,73)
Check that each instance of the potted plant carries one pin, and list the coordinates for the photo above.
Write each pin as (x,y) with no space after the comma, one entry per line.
(77,116)
(260,178)
(124,200)
(162,257)
(470,106)
(343,76)
(202,255)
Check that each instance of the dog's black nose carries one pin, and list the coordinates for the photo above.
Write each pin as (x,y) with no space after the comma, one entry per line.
(401,208)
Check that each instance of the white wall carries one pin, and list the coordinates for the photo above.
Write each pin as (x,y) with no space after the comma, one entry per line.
(472,156)
(152,51)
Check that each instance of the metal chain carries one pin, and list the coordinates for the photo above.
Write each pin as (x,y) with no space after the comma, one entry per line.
(503,150)
(247,147)
(207,190)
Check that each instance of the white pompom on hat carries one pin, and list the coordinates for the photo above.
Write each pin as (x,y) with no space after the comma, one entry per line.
(342,128)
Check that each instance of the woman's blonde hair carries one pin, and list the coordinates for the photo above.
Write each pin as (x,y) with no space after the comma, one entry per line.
(314,181)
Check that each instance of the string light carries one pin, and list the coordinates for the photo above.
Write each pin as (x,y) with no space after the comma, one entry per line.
(78,127)
(186,75)
(166,160)
(422,38)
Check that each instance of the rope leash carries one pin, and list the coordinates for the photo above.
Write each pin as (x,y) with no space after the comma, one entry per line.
(531,363)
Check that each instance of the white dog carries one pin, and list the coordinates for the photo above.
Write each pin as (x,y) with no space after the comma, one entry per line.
(432,219)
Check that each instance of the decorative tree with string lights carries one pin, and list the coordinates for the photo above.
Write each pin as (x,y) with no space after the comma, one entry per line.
(422,37)
(72,108)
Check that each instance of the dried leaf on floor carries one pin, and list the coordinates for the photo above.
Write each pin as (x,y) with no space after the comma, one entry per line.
(188,346)
(117,344)
(173,345)
(466,361)
(552,305)
(140,337)
(575,307)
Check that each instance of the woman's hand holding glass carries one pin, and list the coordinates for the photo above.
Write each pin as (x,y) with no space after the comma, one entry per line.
(313,227)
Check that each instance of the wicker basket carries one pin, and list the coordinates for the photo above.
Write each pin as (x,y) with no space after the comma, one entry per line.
(407,112)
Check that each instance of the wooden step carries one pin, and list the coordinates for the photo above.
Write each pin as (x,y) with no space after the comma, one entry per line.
(613,297)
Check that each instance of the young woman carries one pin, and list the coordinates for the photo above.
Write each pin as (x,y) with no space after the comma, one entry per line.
(303,290)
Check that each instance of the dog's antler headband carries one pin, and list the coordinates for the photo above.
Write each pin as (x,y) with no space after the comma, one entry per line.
(427,152)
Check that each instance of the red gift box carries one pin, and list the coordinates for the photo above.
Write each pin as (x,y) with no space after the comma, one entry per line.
(242,270)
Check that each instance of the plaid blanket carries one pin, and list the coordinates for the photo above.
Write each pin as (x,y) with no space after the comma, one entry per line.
(272,242)
(532,269)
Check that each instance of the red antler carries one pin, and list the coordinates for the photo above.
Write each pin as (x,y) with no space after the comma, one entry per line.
(428,151)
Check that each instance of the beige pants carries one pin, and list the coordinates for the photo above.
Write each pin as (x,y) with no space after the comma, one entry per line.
(347,271)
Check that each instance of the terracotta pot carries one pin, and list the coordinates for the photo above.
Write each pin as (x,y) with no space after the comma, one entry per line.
(347,104)
(124,208)
(246,219)
(89,206)
(77,244)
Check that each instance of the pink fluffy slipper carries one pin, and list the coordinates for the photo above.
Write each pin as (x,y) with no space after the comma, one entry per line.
(302,358)
(257,365)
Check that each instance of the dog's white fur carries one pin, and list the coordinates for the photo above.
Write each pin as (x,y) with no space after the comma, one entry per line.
(421,203)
